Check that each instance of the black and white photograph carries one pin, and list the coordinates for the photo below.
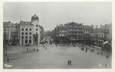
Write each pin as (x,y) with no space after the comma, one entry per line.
(57,35)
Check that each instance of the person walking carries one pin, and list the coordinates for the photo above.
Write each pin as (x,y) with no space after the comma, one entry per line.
(27,50)
(69,62)
(86,49)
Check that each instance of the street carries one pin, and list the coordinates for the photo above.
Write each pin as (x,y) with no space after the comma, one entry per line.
(56,57)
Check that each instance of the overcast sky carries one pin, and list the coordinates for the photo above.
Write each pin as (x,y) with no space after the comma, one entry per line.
(52,14)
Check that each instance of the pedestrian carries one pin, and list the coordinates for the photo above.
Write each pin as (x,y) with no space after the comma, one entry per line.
(37,50)
(70,62)
(27,49)
(86,49)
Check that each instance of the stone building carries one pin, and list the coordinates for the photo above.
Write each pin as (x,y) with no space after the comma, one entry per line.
(23,33)
(29,32)
(107,29)
(101,34)
(26,33)
(72,32)
(10,35)
(78,33)
(86,33)
(97,37)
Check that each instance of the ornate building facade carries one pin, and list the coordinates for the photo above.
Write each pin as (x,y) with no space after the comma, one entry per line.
(26,33)
(72,32)
(29,32)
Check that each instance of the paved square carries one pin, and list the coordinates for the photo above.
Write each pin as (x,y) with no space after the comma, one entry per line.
(57,57)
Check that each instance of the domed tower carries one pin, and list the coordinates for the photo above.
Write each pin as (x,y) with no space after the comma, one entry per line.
(34,18)
(36,29)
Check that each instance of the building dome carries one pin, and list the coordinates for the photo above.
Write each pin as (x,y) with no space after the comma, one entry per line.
(34,17)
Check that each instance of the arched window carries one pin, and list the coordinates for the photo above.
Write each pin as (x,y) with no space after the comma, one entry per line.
(26,29)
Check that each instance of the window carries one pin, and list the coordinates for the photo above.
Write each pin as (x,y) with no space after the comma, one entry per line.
(26,29)
(30,37)
(29,41)
(30,29)
(36,25)
(26,41)
(30,33)
(26,37)
(26,33)
(36,29)
(22,29)
(22,33)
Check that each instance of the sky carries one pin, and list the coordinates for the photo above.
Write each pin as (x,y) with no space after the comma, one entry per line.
(52,14)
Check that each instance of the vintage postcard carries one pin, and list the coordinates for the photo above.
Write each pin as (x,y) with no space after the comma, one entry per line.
(57,35)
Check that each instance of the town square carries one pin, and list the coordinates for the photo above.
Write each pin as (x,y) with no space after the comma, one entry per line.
(57,35)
